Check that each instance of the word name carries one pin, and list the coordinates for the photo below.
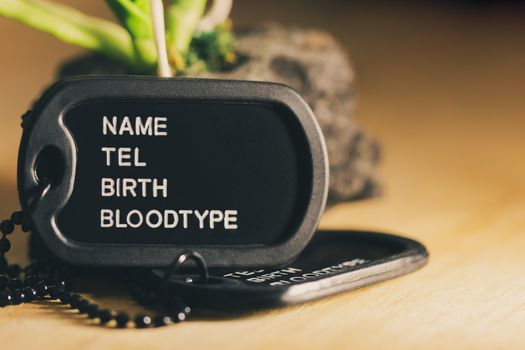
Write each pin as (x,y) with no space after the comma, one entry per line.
(149,126)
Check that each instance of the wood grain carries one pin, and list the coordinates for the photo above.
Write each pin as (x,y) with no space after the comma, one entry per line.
(444,91)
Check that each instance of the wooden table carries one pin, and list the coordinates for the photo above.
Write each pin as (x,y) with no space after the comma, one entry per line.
(444,90)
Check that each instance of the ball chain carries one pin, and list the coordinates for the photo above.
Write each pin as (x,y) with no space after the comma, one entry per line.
(51,281)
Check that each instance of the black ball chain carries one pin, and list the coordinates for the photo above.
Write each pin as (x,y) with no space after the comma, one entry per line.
(51,281)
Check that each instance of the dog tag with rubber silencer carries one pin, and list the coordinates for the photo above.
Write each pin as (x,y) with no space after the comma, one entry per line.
(132,171)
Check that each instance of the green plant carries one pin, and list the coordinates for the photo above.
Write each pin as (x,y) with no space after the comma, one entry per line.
(194,40)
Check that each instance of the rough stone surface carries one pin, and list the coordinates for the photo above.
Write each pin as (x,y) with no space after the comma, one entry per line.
(313,63)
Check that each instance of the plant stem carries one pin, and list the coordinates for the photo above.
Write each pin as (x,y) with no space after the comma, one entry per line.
(159,33)
(73,27)
(217,14)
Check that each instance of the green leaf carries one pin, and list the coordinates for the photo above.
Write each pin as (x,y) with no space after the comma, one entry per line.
(135,17)
(73,27)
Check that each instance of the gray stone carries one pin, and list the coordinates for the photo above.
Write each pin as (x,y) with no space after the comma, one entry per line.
(314,64)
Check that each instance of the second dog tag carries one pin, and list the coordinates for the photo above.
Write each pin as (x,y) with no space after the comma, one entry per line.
(333,262)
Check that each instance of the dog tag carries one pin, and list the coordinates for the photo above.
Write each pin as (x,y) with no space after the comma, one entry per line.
(333,262)
(132,171)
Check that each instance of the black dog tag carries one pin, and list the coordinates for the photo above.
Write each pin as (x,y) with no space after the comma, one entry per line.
(333,262)
(133,171)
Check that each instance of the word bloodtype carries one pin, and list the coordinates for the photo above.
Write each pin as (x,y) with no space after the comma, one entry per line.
(169,219)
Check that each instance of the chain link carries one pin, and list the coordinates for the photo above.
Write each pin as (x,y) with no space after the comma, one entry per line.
(50,280)
(47,280)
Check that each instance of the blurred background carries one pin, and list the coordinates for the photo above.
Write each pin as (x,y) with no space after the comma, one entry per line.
(441,84)
(420,65)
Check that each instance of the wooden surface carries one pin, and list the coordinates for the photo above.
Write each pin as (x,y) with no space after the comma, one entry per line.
(444,90)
